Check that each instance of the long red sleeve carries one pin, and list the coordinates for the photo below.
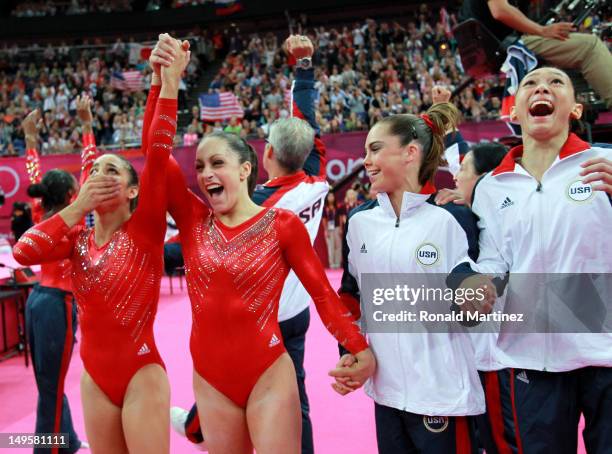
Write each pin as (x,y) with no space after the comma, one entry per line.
(88,156)
(302,258)
(148,115)
(33,171)
(149,219)
(33,165)
(180,199)
(351,304)
(46,242)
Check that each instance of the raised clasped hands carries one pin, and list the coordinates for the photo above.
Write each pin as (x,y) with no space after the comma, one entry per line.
(169,58)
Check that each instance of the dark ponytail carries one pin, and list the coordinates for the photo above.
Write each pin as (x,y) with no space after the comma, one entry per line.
(55,190)
(245,152)
(429,130)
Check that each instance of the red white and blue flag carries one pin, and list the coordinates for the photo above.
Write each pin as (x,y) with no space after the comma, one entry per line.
(127,80)
(227,7)
(220,106)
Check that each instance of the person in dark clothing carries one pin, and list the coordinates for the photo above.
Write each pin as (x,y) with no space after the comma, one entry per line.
(21,219)
(556,43)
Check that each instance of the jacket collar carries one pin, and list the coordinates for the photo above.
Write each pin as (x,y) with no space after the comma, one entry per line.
(286,179)
(410,200)
(572,146)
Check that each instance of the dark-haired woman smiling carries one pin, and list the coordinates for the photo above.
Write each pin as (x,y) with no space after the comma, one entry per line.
(546,209)
(426,387)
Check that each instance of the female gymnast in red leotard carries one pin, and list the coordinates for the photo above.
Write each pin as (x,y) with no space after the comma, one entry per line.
(237,256)
(116,273)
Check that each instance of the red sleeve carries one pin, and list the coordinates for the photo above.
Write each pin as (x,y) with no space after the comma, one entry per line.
(149,219)
(46,242)
(351,304)
(148,115)
(181,201)
(88,156)
(33,165)
(178,196)
(302,258)
(33,171)
(38,211)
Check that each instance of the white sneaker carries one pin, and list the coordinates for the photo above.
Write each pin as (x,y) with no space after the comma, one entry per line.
(178,417)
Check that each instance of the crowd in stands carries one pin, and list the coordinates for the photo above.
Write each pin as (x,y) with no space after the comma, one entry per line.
(40,8)
(51,78)
(364,72)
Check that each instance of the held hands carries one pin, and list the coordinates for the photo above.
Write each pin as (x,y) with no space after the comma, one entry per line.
(352,371)
(345,384)
(299,46)
(560,30)
(598,169)
(484,294)
(171,55)
(163,54)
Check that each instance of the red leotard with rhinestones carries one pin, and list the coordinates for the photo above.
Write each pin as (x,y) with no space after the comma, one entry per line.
(116,286)
(235,277)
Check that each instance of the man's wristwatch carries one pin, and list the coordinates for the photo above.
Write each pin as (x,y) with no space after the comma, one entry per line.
(304,63)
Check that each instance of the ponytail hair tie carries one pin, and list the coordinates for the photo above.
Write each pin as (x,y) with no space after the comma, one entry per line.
(430,124)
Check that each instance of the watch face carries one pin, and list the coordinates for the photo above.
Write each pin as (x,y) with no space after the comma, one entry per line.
(305,63)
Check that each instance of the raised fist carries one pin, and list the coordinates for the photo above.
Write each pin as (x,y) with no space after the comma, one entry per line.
(299,46)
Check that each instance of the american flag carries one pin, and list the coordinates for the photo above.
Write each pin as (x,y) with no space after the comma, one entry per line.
(220,106)
(127,80)
(227,7)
